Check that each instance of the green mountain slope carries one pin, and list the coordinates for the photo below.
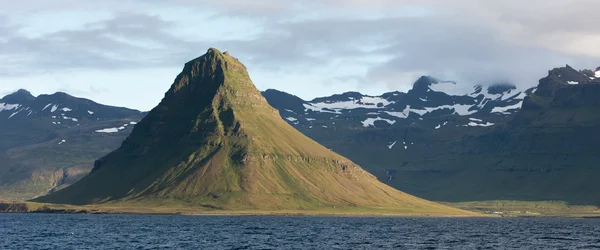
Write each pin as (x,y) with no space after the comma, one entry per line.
(214,142)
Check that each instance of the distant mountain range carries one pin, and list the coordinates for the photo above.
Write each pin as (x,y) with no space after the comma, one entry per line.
(495,143)
(435,141)
(49,141)
(428,101)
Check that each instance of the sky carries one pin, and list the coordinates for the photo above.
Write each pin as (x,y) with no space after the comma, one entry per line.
(128,52)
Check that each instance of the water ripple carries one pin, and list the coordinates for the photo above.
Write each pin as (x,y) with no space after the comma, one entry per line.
(37,231)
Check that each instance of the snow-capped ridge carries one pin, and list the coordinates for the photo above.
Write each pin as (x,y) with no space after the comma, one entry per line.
(366,102)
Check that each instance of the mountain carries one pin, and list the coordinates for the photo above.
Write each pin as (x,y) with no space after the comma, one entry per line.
(448,145)
(440,140)
(549,151)
(432,106)
(214,142)
(50,141)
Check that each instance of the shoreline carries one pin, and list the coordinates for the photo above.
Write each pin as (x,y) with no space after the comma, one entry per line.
(138,209)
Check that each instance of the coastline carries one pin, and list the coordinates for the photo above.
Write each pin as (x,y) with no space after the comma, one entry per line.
(136,209)
(43,208)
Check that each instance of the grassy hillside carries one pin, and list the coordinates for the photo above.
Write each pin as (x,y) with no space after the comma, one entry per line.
(213,143)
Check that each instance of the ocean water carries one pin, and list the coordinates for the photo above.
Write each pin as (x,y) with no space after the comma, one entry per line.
(43,231)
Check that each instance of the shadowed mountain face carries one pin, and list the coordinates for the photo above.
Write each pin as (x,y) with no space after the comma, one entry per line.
(549,151)
(215,142)
(442,144)
(50,141)
(546,150)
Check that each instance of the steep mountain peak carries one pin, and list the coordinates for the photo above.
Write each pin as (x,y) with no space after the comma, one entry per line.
(568,75)
(283,101)
(422,84)
(212,143)
(213,76)
(60,97)
(426,84)
(20,96)
(565,87)
(561,77)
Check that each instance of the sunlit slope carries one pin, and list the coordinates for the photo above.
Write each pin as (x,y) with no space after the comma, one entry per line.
(214,142)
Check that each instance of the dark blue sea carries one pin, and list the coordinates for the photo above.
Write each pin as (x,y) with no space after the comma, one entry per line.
(43,231)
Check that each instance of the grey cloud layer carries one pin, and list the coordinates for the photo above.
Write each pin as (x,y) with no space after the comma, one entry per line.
(125,41)
(466,40)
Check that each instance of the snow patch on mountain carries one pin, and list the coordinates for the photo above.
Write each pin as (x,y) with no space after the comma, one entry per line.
(459,109)
(475,124)
(521,96)
(15,113)
(572,82)
(54,108)
(65,109)
(108,130)
(291,119)
(440,125)
(115,129)
(318,109)
(367,102)
(90,112)
(597,74)
(370,122)
(70,118)
(392,145)
(49,104)
(505,110)
(6,106)
(504,96)
(402,115)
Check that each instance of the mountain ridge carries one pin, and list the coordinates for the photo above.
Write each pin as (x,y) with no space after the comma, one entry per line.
(399,147)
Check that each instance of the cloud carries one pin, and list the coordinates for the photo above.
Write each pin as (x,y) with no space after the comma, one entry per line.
(476,42)
(393,41)
(128,40)
(6,92)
